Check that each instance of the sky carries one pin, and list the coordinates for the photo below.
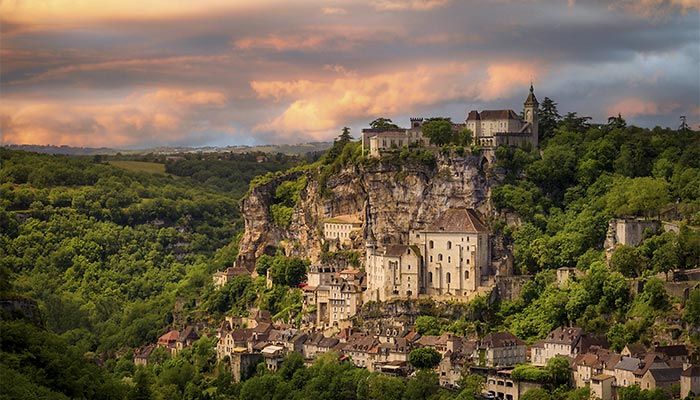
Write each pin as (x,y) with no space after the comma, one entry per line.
(137,74)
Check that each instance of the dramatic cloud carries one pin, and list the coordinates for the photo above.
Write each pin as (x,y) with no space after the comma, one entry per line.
(164,115)
(134,74)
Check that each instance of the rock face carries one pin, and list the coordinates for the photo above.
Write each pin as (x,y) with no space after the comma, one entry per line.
(392,197)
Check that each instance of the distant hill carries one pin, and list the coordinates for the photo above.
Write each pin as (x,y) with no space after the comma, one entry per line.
(289,149)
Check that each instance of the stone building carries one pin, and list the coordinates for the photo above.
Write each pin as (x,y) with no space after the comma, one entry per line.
(446,260)
(563,341)
(502,386)
(500,349)
(629,231)
(336,296)
(493,128)
(456,253)
(690,381)
(392,271)
(341,227)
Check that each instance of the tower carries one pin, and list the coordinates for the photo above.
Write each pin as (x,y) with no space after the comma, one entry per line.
(530,112)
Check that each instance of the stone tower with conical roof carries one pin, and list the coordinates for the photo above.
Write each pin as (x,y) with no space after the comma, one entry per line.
(530,109)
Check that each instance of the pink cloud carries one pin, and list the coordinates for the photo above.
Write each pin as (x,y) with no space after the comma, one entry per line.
(506,78)
(165,115)
(333,11)
(633,106)
(317,108)
(414,5)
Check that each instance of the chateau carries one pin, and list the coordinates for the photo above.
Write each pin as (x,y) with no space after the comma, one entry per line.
(491,128)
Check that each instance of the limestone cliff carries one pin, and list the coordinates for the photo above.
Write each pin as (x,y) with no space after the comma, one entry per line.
(395,196)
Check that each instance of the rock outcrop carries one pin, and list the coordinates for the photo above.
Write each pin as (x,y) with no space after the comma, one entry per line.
(393,198)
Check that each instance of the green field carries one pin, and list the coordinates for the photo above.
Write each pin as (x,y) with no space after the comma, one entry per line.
(140,166)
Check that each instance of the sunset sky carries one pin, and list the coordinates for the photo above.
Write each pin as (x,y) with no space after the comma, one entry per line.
(135,74)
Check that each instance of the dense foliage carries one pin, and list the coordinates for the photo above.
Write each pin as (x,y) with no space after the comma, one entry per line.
(229,172)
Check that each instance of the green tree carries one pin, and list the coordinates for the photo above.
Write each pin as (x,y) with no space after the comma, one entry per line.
(424,358)
(627,261)
(381,387)
(438,130)
(548,119)
(559,370)
(422,386)
(536,394)
(691,313)
(382,123)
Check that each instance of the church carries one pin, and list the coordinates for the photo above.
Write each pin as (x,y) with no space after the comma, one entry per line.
(448,259)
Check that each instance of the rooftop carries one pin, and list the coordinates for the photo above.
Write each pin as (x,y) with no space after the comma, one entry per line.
(458,220)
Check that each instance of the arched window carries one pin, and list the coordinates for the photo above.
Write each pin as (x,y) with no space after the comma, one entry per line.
(430,277)
(449,245)
(430,244)
(449,278)
(439,257)
(449,259)
(466,274)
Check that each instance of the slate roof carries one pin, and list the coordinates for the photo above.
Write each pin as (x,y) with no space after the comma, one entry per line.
(628,363)
(565,335)
(501,339)
(458,220)
(666,374)
(498,114)
(674,350)
(473,116)
(693,370)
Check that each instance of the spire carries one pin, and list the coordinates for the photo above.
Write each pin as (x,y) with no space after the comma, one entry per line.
(531,99)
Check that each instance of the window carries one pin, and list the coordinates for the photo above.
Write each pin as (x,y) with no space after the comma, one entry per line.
(449,278)
(449,245)
(431,258)
(439,257)
(430,244)
(466,274)
(467,261)
(430,277)
(449,259)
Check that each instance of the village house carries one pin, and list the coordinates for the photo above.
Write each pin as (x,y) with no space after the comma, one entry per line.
(335,296)
(317,344)
(690,381)
(186,338)
(273,355)
(142,354)
(630,370)
(221,278)
(341,228)
(563,341)
(660,378)
(675,352)
(602,387)
(499,350)
(502,386)
(595,362)
(169,341)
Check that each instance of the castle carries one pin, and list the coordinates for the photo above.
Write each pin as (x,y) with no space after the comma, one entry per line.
(491,128)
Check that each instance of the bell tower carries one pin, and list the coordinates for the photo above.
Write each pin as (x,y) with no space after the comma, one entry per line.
(530,109)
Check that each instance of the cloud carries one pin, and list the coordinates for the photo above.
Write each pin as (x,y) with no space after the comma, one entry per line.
(505,78)
(333,11)
(631,107)
(140,119)
(318,108)
(414,5)
(655,8)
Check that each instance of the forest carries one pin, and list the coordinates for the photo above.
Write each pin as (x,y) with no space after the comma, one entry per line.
(104,260)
